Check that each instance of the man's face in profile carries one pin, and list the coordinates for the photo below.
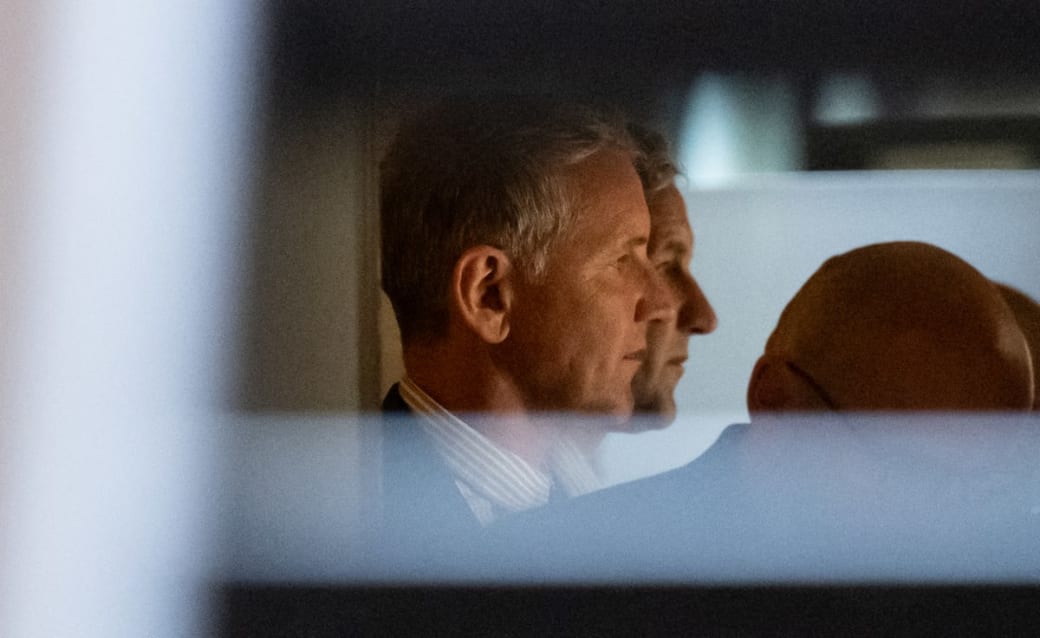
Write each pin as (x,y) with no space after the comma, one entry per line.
(578,335)
(670,251)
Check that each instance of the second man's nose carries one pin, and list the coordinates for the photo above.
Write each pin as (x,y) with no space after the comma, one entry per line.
(696,315)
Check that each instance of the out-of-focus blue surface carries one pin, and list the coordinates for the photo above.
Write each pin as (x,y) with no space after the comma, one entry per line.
(931,499)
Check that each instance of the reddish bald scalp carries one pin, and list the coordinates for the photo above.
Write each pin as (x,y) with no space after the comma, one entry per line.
(894,326)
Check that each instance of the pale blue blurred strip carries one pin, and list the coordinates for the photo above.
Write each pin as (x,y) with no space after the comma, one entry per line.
(895,499)
(123,331)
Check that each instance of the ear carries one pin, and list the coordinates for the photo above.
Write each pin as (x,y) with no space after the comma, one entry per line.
(765,391)
(776,387)
(482,291)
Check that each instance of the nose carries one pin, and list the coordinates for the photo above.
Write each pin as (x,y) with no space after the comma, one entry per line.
(658,303)
(696,316)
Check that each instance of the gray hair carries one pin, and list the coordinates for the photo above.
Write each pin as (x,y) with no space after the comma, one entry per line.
(478,172)
(655,166)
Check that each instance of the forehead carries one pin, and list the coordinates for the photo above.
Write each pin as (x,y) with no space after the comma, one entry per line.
(669,226)
(607,197)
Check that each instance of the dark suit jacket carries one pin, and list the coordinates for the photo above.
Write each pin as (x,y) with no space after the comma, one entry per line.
(422,507)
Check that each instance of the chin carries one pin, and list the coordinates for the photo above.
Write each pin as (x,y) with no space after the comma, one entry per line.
(612,409)
(655,414)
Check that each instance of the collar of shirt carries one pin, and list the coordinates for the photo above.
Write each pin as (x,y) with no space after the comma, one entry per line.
(495,481)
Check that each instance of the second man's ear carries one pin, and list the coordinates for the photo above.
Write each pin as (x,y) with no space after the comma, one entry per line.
(482,291)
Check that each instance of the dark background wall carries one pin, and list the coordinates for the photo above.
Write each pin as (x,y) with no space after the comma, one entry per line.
(338,74)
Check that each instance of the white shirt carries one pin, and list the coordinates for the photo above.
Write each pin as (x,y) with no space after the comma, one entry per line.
(493,480)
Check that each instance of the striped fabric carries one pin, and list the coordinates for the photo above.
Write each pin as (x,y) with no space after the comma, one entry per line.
(495,481)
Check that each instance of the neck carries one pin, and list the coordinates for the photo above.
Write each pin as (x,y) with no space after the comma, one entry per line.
(586,436)
(467,384)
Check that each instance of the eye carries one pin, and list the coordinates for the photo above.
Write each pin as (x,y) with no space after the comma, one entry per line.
(670,267)
(635,256)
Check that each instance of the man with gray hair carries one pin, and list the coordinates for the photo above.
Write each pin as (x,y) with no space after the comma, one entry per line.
(514,237)
(670,251)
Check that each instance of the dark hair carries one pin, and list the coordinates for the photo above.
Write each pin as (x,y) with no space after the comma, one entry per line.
(654,165)
(469,172)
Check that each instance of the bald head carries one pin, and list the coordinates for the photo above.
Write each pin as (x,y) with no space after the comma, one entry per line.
(894,326)
(1027,313)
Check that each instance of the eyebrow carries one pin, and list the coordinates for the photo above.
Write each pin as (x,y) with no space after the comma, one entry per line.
(674,246)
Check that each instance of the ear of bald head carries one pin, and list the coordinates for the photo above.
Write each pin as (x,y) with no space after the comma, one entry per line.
(894,326)
(777,385)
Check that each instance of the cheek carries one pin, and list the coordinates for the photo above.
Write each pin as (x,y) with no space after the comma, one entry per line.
(592,322)
(657,343)
(657,334)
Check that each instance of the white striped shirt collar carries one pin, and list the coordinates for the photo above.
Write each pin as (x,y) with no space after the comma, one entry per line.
(493,480)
